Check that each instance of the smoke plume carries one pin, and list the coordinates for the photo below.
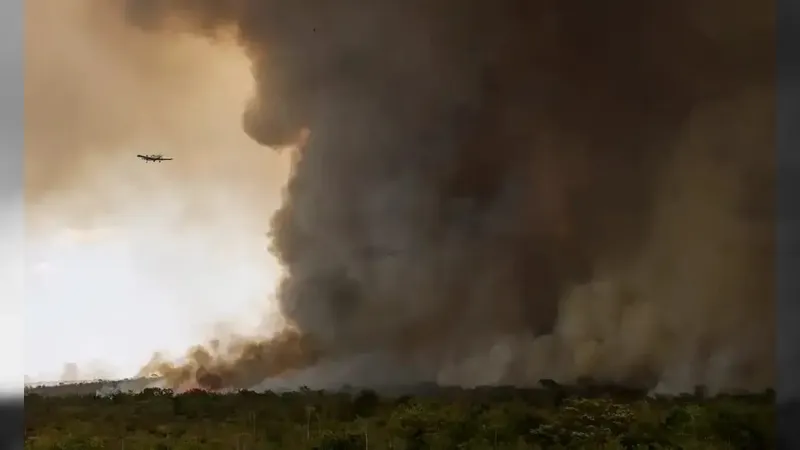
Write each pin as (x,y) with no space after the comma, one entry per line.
(499,192)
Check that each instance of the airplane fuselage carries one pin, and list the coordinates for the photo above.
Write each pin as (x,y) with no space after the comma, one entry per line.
(154,158)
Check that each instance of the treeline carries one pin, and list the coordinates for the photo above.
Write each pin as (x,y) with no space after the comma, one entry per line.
(81,387)
(554,417)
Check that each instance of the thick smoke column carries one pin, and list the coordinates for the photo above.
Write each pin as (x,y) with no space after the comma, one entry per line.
(498,192)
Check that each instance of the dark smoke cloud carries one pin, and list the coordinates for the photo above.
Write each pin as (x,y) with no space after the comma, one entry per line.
(509,190)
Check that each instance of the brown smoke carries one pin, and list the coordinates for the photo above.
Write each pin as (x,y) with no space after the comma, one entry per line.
(497,192)
(98,91)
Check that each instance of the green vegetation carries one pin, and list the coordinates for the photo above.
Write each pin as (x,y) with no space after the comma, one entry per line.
(555,417)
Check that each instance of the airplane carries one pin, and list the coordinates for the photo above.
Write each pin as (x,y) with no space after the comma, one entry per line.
(158,158)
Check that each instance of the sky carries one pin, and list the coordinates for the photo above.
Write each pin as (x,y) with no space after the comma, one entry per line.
(107,298)
(165,262)
(122,258)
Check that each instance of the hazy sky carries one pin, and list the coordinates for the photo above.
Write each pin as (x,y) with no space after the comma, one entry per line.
(107,298)
(163,259)
(124,258)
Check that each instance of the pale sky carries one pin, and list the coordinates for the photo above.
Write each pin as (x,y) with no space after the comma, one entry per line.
(140,277)
(106,299)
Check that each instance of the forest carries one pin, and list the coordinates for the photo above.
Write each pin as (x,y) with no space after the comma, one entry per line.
(550,417)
